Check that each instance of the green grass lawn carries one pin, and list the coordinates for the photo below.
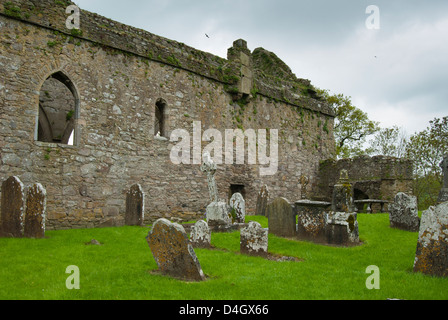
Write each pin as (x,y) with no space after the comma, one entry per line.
(122,268)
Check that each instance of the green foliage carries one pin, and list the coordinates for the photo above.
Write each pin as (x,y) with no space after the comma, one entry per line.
(352,125)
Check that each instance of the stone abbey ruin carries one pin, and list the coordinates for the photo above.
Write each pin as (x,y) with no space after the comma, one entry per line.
(88,113)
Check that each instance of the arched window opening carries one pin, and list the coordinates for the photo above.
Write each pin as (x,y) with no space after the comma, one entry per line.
(58,108)
(160,118)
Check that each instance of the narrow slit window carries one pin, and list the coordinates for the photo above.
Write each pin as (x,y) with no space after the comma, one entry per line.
(160,118)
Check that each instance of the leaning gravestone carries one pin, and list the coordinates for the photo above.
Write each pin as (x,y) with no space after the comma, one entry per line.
(432,247)
(254,240)
(35,213)
(173,252)
(403,213)
(281,218)
(443,195)
(135,206)
(13,208)
(262,201)
(200,235)
(238,206)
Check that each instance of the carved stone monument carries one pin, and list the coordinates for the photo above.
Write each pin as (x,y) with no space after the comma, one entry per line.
(135,206)
(217,212)
(173,252)
(443,195)
(262,201)
(13,208)
(254,240)
(432,247)
(35,214)
(403,213)
(281,218)
(238,207)
(200,235)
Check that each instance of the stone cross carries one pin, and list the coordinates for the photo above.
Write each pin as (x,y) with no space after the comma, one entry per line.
(209,167)
(444,166)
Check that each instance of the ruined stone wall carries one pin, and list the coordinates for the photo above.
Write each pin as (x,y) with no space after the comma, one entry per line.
(117,75)
(377,177)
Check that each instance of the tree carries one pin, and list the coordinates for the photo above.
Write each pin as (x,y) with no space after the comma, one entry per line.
(427,149)
(390,142)
(352,125)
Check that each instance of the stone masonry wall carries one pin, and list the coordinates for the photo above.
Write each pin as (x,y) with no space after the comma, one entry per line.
(377,177)
(117,74)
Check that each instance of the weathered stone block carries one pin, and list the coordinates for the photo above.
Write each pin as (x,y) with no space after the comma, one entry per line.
(262,201)
(432,247)
(342,228)
(135,206)
(281,218)
(218,213)
(238,208)
(13,208)
(35,215)
(254,240)
(173,252)
(403,213)
(200,235)
(311,219)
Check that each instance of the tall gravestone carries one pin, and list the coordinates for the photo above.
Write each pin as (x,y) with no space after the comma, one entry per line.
(262,201)
(238,206)
(173,251)
(35,214)
(135,206)
(432,247)
(443,195)
(217,212)
(403,213)
(342,221)
(281,218)
(13,208)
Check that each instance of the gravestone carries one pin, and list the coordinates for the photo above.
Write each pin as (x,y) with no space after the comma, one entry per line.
(135,206)
(281,218)
(262,201)
(35,214)
(403,213)
(173,252)
(217,212)
(200,235)
(343,199)
(342,228)
(13,208)
(254,240)
(238,207)
(311,219)
(443,195)
(432,247)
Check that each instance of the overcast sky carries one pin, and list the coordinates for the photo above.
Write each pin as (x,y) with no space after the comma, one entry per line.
(398,73)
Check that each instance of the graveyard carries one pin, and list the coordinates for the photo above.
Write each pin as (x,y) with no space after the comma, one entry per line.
(99,203)
(122,267)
